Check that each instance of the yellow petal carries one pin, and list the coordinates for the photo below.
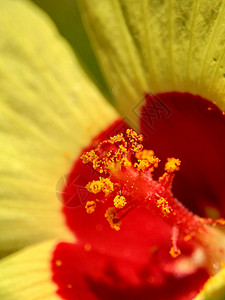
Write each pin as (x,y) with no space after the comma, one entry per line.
(159,46)
(49,111)
(26,275)
(214,289)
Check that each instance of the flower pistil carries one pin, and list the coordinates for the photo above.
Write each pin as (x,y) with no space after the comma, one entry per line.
(126,182)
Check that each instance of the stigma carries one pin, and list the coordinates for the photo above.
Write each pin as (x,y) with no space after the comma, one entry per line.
(126,182)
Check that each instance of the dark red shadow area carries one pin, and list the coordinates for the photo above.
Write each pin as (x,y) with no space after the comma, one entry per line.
(192,129)
(94,276)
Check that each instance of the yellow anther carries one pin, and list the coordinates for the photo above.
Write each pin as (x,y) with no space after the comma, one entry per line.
(145,154)
(137,148)
(94,186)
(114,152)
(126,163)
(89,157)
(119,201)
(146,159)
(142,165)
(163,204)
(172,165)
(117,138)
(103,184)
(135,140)
(154,161)
(133,136)
(174,253)
(107,186)
(112,218)
(90,207)
(123,149)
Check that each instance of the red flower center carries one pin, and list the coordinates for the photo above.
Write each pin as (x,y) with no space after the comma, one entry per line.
(130,185)
(106,263)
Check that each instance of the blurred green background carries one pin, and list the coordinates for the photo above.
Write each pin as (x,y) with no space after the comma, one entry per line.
(65,14)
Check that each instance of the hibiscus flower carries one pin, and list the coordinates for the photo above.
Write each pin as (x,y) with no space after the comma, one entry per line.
(164,63)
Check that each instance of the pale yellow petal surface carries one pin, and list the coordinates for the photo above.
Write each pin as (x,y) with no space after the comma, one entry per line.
(159,46)
(26,275)
(49,111)
(214,289)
